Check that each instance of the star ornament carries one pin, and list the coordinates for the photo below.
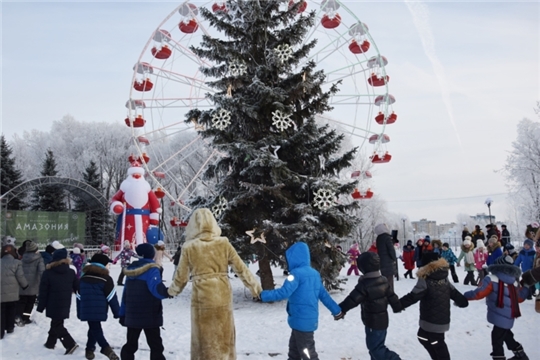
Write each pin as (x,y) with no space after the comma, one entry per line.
(254,239)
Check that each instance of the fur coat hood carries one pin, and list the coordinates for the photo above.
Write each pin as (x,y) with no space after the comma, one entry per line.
(203,226)
(426,270)
(137,269)
(438,243)
(54,264)
(507,273)
(92,269)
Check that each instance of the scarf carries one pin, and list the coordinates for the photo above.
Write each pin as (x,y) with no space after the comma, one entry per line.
(514,303)
(469,257)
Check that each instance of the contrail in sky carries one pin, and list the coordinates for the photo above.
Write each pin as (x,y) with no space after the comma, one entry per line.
(420,14)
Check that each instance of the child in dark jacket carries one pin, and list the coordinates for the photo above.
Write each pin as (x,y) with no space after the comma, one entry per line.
(304,289)
(503,295)
(96,294)
(141,307)
(434,292)
(373,294)
(57,284)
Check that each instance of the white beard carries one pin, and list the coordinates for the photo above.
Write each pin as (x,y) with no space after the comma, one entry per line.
(135,191)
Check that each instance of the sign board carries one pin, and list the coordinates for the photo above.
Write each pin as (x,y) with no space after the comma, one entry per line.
(44,227)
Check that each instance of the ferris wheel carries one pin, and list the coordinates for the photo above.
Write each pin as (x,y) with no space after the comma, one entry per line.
(167,83)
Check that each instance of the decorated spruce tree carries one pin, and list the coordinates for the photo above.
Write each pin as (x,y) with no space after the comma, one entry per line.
(48,197)
(276,177)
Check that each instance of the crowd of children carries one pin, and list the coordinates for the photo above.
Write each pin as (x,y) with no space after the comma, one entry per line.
(51,277)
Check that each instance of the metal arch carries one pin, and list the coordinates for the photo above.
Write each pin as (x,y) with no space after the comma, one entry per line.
(91,197)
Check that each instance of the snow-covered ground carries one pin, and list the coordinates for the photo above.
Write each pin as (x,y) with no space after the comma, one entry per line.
(262,331)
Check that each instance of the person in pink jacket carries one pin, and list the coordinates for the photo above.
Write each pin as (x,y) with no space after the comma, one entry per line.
(480,257)
(353,254)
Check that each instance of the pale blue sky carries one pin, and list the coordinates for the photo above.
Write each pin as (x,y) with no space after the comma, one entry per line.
(77,58)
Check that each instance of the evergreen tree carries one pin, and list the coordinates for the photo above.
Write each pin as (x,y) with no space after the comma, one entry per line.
(48,197)
(10,176)
(277,163)
(96,220)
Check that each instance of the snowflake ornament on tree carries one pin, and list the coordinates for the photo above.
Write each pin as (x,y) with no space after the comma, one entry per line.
(220,207)
(221,119)
(237,68)
(283,52)
(282,121)
(324,199)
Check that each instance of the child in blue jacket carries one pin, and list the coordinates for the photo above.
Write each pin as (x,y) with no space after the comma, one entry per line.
(304,289)
(141,308)
(95,295)
(448,255)
(503,295)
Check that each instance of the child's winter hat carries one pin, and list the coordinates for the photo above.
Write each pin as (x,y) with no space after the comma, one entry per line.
(429,257)
(529,242)
(8,240)
(59,254)
(446,245)
(100,259)
(467,241)
(493,239)
(409,242)
(76,250)
(160,243)
(480,243)
(146,251)
(105,249)
(31,246)
(50,249)
(427,239)
(504,260)
(57,245)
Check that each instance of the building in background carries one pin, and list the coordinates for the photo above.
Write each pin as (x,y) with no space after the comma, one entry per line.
(426,227)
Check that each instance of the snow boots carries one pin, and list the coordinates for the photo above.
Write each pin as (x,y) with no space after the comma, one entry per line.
(108,352)
(519,354)
(89,354)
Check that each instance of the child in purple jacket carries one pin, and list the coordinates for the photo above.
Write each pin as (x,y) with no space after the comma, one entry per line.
(125,260)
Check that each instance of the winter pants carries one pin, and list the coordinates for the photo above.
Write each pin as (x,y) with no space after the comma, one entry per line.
(375,344)
(302,346)
(434,344)
(25,306)
(95,335)
(7,315)
(469,278)
(58,331)
(408,273)
(120,280)
(153,339)
(500,336)
(353,268)
(455,278)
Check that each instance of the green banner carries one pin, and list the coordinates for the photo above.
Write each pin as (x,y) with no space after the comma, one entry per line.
(44,227)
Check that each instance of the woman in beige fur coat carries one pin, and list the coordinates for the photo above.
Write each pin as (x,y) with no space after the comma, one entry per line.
(207,255)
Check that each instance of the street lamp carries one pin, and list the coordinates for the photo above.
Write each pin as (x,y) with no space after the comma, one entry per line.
(404,240)
(488,202)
